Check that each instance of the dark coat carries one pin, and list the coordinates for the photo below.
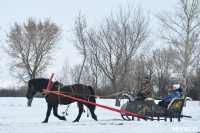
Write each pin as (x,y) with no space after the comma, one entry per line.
(146,89)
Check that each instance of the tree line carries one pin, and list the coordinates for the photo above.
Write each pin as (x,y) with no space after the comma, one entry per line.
(117,52)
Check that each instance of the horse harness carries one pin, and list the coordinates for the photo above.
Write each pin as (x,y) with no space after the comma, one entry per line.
(72,93)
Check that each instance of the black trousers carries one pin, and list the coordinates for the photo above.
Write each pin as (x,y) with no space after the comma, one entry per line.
(140,98)
(163,104)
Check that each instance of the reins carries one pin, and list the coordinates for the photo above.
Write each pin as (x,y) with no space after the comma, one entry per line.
(80,94)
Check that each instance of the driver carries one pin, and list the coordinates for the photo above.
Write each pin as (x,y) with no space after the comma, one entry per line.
(145,90)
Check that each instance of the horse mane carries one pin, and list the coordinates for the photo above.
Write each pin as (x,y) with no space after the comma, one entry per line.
(57,84)
(39,83)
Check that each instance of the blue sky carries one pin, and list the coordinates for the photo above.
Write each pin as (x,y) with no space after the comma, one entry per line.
(63,12)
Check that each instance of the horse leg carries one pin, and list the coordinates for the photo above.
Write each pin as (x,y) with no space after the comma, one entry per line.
(55,112)
(80,105)
(49,108)
(92,112)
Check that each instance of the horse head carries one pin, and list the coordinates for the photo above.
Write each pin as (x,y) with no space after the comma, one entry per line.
(35,85)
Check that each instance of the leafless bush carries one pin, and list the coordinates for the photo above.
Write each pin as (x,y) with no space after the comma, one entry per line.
(13,92)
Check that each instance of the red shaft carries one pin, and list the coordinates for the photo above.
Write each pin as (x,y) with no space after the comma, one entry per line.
(50,81)
(102,106)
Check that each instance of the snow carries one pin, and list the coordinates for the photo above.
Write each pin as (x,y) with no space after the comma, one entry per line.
(16,117)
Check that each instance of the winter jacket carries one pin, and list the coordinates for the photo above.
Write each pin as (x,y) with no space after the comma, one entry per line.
(179,95)
(171,96)
(174,95)
(146,89)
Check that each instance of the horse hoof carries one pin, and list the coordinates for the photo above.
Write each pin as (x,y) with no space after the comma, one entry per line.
(75,121)
(64,119)
(95,118)
(44,122)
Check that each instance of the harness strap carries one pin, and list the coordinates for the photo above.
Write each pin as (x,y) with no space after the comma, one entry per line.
(66,111)
(87,103)
(83,91)
(72,90)
(59,95)
(50,87)
(89,94)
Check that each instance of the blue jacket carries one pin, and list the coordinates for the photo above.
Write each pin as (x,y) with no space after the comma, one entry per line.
(179,95)
(174,95)
(171,96)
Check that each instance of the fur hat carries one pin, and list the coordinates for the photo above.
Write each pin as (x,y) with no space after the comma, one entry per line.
(176,86)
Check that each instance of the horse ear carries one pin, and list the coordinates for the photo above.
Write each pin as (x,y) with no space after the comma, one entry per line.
(58,84)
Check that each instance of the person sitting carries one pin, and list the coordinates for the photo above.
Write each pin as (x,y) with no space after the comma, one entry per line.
(145,90)
(179,93)
(169,91)
(176,93)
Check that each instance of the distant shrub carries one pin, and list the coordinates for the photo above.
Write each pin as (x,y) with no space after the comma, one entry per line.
(13,92)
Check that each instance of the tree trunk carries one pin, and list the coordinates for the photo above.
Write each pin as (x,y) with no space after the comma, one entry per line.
(159,87)
(29,102)
(117,102)
(184,83)
(96,84)
(184,87)
(81,71)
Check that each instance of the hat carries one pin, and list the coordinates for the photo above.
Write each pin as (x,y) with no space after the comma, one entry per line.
(146,79)
(176,86)
(179,90)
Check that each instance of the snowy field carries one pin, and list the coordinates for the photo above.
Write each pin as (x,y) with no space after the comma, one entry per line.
(16,117)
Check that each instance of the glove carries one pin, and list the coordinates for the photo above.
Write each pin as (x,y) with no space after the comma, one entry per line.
(139,94)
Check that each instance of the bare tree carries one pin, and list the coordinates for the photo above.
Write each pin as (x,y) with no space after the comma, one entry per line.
(115,42)
(64,75)
(80,40)
(141,67)
(87,77)
(181,29)
(74,73)
(30,46)
(138,71)
(164,61)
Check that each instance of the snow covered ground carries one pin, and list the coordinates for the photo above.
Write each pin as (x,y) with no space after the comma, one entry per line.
(16,117)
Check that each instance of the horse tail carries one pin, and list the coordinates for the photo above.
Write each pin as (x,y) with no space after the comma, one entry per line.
(92,98)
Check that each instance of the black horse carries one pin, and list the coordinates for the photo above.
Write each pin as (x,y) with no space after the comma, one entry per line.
(77,90)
